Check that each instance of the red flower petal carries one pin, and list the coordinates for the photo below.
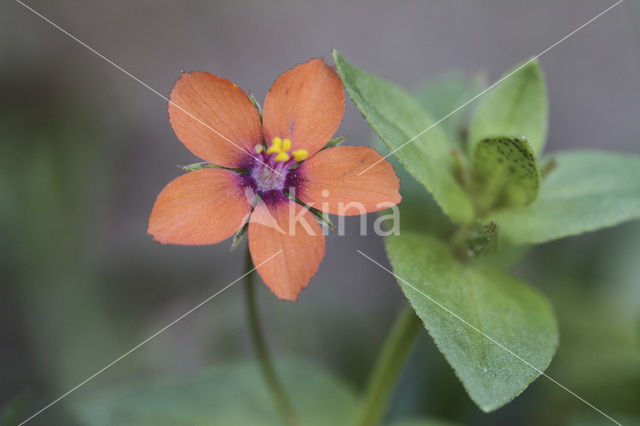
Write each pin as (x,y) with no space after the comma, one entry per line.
(335,171)
(214,119)
(306,105)
(298,246)
(201,207)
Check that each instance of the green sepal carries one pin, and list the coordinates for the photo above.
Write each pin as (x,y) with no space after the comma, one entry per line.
(242,232)
(483,240)
(320,216)
(239,236)
(204,165)
(334,142)
(256,104)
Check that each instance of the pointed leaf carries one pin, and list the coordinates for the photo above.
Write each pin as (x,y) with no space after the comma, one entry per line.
(487,299)
(398,119)
(587,190)
(505,173)
(418,210)
(445,94)
(517,106)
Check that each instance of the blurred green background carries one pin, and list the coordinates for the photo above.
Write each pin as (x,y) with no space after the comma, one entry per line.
(84,150)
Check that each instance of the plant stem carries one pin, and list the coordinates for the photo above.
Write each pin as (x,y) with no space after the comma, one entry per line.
(391,360)
(264,358)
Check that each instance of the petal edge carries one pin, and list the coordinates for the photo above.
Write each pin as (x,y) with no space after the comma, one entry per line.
(214,119)
(329,181)
(271,230)
(305,104)
(201,207)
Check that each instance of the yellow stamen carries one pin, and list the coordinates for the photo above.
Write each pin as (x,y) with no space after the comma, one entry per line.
(282,156)
(300,154)
(276,146)
(281,148)
(259,148)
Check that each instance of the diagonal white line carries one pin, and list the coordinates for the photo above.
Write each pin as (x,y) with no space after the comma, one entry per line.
(486,336)
(144,341)
(100,55)
(495,84)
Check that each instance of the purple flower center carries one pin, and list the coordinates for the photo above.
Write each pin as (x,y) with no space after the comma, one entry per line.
(270,174)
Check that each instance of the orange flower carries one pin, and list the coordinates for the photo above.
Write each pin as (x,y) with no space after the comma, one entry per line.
(272,159)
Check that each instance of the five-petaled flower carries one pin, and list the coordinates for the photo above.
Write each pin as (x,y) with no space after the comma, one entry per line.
(271,158)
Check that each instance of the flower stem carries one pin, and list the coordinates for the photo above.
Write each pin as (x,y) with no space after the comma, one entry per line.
(391,360)
(264,358)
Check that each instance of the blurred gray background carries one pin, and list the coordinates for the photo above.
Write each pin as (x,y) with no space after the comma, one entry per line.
(59,326)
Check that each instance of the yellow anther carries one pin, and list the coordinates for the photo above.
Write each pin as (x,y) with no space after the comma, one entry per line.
(276,146)
(282,156)
(300,154)
(281,148)
(259,148)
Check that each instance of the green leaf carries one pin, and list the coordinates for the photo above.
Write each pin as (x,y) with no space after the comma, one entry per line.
(500,306)
(507,255)
(505,173)
(232,394)
(418,211)
(516,106)
(445,94)
(587,190)
(398,119)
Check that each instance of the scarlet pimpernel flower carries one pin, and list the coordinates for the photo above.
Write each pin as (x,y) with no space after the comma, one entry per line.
(270,167)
